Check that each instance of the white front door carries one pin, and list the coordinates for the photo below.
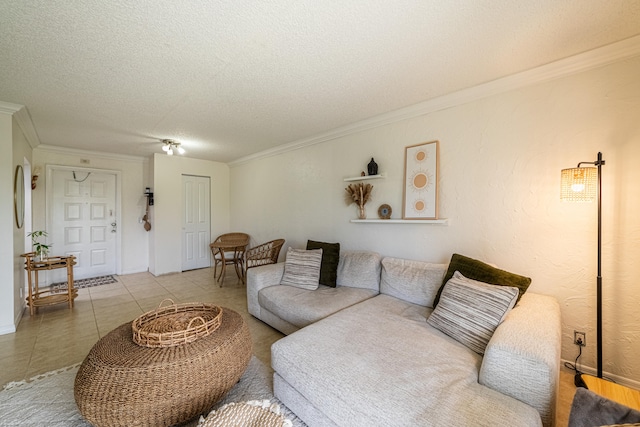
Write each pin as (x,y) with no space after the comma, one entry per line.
(83,221)
(196,222)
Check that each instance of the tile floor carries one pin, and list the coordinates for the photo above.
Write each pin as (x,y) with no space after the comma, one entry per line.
(57,337)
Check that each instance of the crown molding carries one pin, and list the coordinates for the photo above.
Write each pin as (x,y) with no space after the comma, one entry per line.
(23,118)
(91,153)
(28,129)
(585,61)
(9,108)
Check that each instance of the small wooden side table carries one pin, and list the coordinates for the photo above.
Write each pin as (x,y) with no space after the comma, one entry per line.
(612,391)
(40,298)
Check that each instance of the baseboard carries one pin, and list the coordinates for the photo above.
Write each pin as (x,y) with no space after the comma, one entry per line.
(7,329)
(122,273)
(615,378)
(20,314)
(10,329)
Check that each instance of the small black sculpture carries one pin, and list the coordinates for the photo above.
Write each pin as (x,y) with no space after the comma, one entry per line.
(372,167)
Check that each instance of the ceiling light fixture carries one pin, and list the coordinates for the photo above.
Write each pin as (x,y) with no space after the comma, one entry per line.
(170,146)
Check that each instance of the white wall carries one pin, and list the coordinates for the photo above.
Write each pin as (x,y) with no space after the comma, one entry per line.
(500,162)
(159,250)
(7,226)
(15,149)
(21,151)
(166,214)
(134,174)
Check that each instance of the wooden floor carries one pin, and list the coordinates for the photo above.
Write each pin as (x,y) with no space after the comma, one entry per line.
(616,392)
(565,397)
(57,337)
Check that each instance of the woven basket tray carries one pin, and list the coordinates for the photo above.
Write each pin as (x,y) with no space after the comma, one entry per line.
(176,324)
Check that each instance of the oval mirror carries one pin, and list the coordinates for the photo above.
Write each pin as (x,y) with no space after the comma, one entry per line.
(18,196)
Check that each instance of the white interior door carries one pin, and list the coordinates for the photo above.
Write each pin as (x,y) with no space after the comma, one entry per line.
(196,222)
(83,221)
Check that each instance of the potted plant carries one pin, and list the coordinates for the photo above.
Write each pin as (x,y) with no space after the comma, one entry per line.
(41,249)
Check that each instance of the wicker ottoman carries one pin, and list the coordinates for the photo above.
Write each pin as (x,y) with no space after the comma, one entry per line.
(121,383)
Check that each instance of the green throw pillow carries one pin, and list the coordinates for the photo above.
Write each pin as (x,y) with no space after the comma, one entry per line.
(330,258)
(478,270)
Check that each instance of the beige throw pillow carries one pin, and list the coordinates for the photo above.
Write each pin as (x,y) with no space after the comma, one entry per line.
(302,268)
(470,311)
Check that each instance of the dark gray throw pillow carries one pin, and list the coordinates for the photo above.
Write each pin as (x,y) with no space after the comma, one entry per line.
(590,409)
(482,272)
(330,259)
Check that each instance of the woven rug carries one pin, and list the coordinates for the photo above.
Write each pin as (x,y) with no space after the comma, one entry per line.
(84,283)
(47,400)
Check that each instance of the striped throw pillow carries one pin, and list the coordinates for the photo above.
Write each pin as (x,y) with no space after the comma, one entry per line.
(470,311)
(302,268)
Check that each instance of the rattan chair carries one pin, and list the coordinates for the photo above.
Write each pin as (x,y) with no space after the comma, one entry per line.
(266,253)
(229,248)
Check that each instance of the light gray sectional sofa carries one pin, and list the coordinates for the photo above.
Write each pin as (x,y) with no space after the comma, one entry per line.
(363,353)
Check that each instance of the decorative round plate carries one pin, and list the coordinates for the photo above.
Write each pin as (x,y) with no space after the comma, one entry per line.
(384,211)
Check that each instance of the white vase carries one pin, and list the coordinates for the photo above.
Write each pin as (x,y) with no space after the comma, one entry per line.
(40,255)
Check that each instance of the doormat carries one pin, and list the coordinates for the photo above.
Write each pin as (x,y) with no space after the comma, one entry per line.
(84,283)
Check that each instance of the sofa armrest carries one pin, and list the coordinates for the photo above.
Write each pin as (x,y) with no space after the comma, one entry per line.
(259,278)
(522,359)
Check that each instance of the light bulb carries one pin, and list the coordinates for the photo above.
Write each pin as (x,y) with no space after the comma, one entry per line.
(170,152)
(180,149)
(577,188)
(165,147)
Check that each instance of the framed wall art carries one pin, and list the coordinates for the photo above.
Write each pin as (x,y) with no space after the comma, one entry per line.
(420,199)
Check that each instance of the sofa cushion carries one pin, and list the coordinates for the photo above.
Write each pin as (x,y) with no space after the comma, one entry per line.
(359,368)
(330,259)
(413,281)
(301,307)
(359,269)
(482,272)
(470,311)
(302,268)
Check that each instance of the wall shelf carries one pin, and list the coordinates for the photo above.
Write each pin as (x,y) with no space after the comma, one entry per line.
(366,177)
(441,221)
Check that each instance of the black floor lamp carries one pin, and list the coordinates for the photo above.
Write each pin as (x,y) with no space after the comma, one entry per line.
(583,184)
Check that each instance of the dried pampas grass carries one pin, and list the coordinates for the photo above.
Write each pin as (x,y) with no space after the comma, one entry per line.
(359,194)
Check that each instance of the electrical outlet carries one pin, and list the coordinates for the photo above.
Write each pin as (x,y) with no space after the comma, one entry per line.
(580,338)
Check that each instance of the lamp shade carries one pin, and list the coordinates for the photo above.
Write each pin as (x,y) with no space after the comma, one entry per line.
(579,184)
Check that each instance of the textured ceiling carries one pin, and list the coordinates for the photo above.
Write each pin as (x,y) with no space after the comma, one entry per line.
(232,78)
